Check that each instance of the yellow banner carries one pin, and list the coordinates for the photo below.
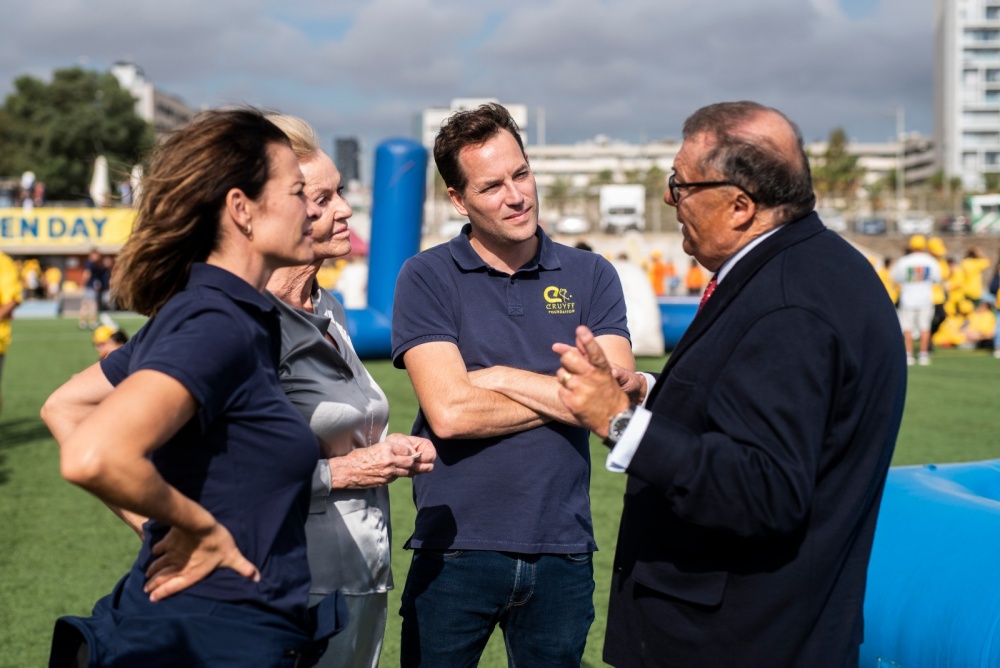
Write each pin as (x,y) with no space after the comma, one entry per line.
(61,230)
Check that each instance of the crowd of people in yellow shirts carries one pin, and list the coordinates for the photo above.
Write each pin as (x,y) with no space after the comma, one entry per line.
(965,302)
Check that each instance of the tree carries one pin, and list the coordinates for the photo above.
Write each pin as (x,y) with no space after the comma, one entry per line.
(57,130)
(992,181)
(655,180)
(558,194)
(837,173)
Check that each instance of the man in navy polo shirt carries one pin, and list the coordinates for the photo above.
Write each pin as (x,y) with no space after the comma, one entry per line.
(503,532)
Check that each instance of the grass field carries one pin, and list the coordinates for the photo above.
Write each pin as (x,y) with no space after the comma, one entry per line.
(61,549)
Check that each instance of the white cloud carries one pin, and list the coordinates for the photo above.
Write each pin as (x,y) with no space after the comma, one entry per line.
(623,68)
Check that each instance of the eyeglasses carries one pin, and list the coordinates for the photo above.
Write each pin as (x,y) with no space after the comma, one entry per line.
(675,187)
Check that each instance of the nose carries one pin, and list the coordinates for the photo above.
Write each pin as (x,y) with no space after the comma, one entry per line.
(313,210)
(345,210)
(668,198)
(512,195)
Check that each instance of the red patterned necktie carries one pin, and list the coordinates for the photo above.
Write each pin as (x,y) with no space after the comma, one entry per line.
(709,289)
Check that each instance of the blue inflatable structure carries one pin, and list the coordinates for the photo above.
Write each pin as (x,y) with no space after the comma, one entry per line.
(397,220)
(677,314)
(933,597)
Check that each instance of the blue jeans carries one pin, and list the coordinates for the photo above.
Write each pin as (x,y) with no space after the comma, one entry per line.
(453,600)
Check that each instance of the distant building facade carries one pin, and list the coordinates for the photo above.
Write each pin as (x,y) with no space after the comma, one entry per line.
(967,89)
(164,111)
(429,121)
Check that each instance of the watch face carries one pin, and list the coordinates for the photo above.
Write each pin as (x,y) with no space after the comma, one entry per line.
(618,425)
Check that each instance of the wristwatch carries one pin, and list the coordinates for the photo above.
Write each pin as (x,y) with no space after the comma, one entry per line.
(616,427)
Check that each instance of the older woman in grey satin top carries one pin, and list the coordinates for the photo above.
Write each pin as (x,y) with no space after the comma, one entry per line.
(348,527)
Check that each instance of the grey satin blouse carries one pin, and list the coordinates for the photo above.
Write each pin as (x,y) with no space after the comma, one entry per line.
(348,530)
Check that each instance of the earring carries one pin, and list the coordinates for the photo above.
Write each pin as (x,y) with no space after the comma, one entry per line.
(249,231)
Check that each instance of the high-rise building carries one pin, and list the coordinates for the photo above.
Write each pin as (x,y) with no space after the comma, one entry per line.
(346,152)
(967,89)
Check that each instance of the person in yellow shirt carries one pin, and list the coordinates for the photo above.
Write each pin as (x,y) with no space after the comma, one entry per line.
(950,334)
(883,273)
(10,297)
(996,332)
(53,281)
(973,266)
(936,247)
(107,339)
(955,286)
(981,326)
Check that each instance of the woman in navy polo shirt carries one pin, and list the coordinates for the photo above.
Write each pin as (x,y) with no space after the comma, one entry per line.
(187,425)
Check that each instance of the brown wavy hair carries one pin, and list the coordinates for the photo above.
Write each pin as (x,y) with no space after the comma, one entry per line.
(470,127)
(182,196)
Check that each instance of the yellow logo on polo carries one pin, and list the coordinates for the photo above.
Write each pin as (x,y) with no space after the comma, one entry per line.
(558,300)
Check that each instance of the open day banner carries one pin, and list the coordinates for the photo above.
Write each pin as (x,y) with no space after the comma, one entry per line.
(60,228)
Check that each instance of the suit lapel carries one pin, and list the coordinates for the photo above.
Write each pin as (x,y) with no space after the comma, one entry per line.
(738,277)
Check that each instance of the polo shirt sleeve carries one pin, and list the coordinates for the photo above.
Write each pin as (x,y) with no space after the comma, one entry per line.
(209,350)
(422,309)
(607,309)
(115,365)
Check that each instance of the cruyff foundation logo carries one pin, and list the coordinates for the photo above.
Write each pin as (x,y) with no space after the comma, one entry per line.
(558,301)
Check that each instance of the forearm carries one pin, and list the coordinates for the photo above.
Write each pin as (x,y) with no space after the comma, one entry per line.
(537,392)
(135,490)
(453,406)
(479,413)
(6,310)
(134,521)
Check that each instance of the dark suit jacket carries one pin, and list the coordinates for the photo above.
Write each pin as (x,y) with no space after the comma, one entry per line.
(752,498)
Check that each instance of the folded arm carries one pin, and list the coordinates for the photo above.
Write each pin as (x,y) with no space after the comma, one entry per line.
(453,405)
(540,392)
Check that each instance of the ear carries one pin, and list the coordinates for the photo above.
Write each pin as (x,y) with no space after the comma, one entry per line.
(239,207)
(457,201)
(743,210)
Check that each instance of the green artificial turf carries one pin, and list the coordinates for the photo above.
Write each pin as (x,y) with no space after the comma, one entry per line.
(61,549)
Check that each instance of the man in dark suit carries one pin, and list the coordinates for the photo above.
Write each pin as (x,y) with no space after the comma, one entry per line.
(757,461)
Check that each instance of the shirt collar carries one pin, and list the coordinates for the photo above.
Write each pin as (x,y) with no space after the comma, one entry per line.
(217,278)
(731,262)
(468,259)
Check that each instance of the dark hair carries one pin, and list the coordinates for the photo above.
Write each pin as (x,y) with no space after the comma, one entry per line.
(758,164)
(470,127)
(182,195)
(119,337)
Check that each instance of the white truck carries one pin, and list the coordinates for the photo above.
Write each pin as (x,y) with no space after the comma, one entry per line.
(623,207)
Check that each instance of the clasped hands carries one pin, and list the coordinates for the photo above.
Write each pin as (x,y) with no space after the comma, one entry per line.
(593,389)
(398,456)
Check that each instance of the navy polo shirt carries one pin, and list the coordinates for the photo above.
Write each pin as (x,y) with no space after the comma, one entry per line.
(527,492)
(247,455)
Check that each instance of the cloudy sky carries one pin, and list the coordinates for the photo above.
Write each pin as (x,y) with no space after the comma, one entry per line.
(629,69)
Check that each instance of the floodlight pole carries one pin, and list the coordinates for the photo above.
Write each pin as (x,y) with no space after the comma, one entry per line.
(900,162)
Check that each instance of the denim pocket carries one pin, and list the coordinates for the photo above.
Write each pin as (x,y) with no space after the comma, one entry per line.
(582,558)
